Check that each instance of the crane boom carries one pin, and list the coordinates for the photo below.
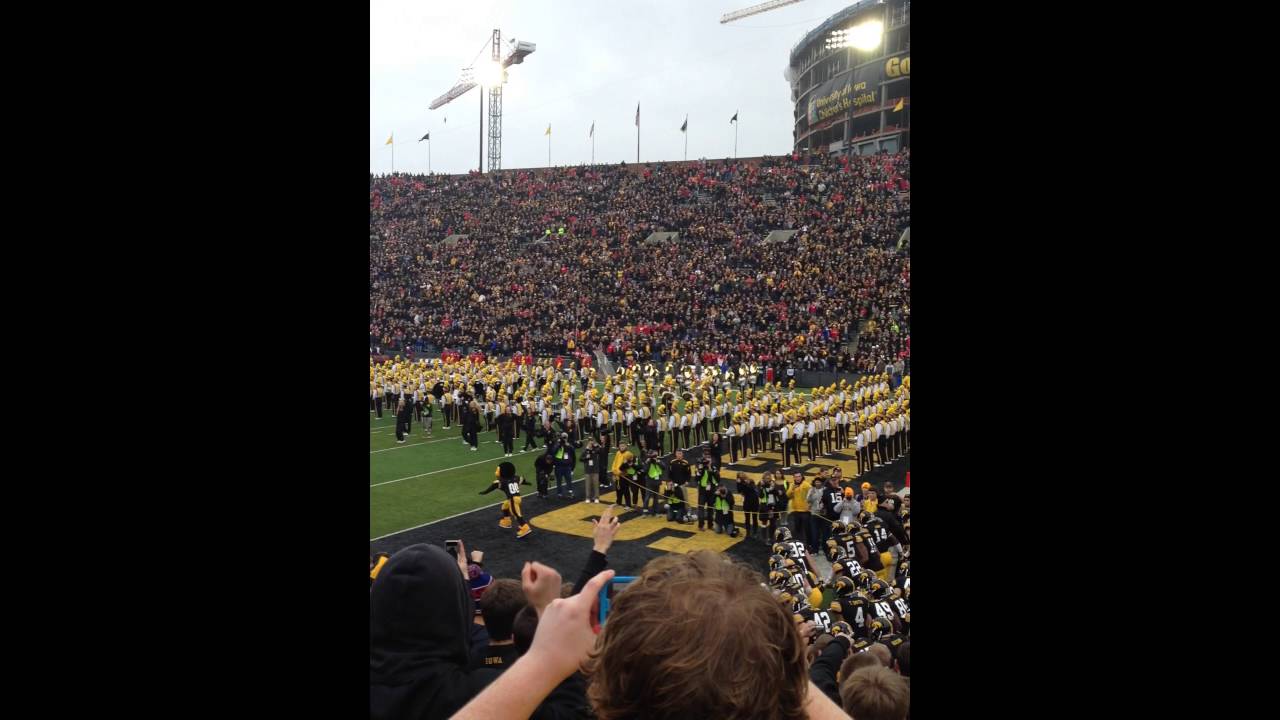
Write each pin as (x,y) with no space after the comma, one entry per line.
(755,10)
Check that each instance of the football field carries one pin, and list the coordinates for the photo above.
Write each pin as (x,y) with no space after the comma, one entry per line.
(429,478)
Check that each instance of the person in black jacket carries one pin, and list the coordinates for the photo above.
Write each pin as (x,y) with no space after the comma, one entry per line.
(403,413)
(823,670)
(723,502)
(471,426)
(530,431)
(832,503)
(750,503)
(602,449)
(591,467)
(651,475)
(673,495)
(506,426)
(707,478)
(564,458)
(680,471)
(543,467)
(420,617)
(651,440)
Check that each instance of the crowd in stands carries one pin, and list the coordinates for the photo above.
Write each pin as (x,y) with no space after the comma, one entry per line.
(555,261)
(696,635)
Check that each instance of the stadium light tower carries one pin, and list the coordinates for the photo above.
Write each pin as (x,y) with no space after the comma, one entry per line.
(755,10)
(865,36)
(491,74)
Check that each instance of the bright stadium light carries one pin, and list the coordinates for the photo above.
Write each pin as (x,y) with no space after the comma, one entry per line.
(489,74)
(866,36)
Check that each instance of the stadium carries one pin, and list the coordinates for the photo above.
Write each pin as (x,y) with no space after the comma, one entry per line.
(648,369)
(852,94)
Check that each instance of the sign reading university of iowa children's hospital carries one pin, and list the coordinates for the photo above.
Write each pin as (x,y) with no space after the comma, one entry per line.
(855,90)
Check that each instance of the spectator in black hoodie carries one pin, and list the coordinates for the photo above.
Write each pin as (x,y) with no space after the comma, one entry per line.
(420,614)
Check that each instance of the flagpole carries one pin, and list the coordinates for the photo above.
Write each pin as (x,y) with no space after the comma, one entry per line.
(429,156)
(393,155)
(686,141)
(735,138)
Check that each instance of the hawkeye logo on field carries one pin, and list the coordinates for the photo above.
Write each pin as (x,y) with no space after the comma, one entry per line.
(576,520)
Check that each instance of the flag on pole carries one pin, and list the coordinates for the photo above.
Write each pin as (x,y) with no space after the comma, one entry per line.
(388,142)
(898,107)
(637,114)
(425,137)
(593,129)
(734,119)
(548,132)
(446,119)
(685,126)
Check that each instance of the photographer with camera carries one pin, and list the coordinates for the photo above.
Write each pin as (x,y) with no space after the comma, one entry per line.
(708,479)
(564,458)
(654,470)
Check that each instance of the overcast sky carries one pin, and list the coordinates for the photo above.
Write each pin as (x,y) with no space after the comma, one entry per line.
(594,60)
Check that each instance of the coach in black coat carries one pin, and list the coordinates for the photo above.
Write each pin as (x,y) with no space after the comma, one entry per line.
(470,426)
(404,412)
(506,430)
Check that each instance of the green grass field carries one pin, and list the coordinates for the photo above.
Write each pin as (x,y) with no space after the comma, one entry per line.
(427,479)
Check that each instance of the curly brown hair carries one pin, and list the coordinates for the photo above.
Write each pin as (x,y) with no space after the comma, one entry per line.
(697,636)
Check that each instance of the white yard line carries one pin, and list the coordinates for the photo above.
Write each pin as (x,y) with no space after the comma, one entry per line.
(455,515)
(433,472)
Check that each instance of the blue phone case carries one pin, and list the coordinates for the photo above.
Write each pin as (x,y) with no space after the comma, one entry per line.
(604,594)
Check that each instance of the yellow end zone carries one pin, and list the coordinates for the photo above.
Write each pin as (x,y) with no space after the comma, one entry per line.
(575,519)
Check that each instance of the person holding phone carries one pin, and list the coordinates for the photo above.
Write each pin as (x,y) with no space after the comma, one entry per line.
(724,598)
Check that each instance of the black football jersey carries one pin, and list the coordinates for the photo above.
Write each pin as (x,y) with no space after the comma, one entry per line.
(884,609)
(893,642)
(821,619)
(902,608)
(853,610)
(883,540)
(796,551)
(873,552)
(859,645)
(849,541)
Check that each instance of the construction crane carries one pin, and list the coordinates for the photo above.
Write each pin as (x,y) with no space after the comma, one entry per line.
(491,74)
(755,10)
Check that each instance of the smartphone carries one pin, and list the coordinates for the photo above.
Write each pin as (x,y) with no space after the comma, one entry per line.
(452,547)
(611,589)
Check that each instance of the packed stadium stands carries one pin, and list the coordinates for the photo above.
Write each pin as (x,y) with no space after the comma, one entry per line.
(554,260)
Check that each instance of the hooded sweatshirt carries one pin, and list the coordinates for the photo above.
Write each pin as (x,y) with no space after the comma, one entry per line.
(420,615)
